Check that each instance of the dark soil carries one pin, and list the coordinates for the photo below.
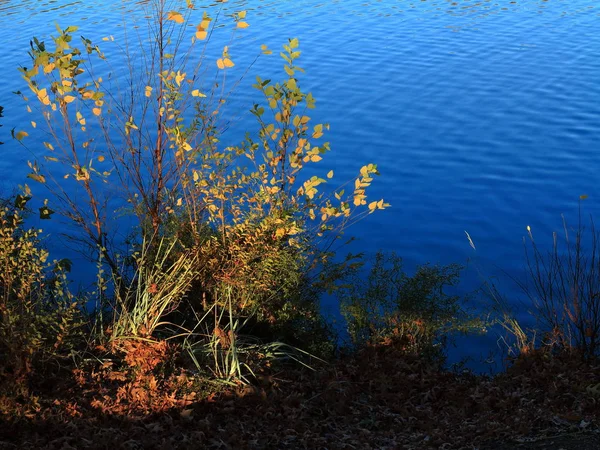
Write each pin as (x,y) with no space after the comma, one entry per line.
(572,441)
(378,400)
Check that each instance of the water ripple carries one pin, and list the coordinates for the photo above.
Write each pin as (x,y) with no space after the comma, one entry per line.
(482,115)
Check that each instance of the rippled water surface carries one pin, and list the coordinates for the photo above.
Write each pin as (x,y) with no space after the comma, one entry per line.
(483,116)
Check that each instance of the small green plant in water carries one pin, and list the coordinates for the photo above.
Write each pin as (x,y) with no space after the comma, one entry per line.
(415,313)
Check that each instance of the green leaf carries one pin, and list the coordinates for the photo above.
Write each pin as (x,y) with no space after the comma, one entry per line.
(291,84)
(285,57)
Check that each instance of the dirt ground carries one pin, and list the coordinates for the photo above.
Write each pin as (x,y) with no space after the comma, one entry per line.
(377,400)
(572,441)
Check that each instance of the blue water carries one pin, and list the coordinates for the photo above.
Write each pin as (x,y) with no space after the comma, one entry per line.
(483,116)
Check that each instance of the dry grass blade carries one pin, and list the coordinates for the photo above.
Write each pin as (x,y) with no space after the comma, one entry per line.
(157,288)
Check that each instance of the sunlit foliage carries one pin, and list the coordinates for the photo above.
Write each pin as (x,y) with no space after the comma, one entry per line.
(254,220)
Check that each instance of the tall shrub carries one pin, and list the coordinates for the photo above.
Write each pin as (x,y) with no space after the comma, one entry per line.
(40,322)
(250,214)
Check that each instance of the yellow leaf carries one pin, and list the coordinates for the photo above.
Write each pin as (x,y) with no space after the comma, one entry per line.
(49,68)
(228,63)
(318,131)
(20,135)
(33,124)
(82,174)
(68,98)
(220,63)
(179,78)
(28,109)
(265,50)
(242,14)
(583,197)
(97,111)
(372,206)
(315,158)
(201,34)
(80,118)
(37,177)
(242,25)
(49,146)
(100,158)
(148,91)
(330,174)
(197,93)
(43,96)
(175,17)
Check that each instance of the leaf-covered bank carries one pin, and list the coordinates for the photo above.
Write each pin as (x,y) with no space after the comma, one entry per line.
(378,399)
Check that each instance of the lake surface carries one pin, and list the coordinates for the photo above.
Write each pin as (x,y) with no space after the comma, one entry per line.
(483,116)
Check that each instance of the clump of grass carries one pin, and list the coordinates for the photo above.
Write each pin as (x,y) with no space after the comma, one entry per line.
(562,289)
(158,285)
(219,344)
(563,285)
